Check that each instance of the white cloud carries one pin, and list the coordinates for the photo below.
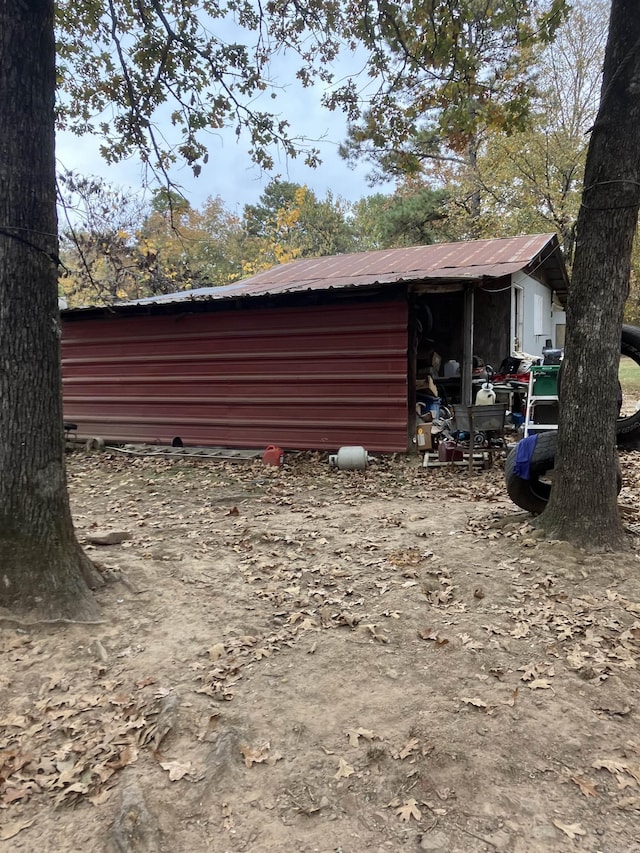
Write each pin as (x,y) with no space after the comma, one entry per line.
(230,172)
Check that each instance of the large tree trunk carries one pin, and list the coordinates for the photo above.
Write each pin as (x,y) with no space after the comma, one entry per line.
(42,567)
(583,504)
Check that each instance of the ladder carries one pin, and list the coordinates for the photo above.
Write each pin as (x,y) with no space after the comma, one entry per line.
(543,392)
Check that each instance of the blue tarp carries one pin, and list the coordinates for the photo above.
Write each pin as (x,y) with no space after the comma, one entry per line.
(524,452)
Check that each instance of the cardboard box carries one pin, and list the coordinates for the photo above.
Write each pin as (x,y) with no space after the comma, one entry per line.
(423,437)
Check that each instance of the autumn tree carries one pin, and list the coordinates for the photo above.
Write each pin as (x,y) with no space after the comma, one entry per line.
(290,222)
(450,75)
(583,503)
(97,240)
(179,247)
(531,179)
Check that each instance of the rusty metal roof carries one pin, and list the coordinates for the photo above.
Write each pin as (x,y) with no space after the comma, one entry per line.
(465,261)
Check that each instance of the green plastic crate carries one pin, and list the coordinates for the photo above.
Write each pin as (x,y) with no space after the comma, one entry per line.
(545,381)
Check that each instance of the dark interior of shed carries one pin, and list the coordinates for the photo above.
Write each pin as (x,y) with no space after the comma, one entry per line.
(438,328)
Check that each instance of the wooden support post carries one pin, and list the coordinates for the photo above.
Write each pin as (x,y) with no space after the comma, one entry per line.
(467,346)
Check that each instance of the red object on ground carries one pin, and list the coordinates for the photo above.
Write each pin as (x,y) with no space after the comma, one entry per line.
(273,456)
(449,452)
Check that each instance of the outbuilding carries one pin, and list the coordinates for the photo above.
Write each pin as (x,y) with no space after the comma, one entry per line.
(314,354)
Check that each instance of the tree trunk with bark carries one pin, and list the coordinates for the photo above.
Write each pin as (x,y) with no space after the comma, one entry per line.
(42,567)
(583,505)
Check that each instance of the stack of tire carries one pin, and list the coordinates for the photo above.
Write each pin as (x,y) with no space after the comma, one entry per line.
(533,494)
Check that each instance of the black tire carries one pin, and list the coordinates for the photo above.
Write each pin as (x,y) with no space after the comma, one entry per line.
(532,495)
(628,429)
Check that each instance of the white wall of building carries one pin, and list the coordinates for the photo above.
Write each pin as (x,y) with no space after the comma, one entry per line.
(535,318)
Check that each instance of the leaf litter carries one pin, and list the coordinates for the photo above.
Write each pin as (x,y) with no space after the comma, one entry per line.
(261,622)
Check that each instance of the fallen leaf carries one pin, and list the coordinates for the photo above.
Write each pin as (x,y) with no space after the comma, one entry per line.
(177,769)
(540,684)
(355,734)
(260,754)
(376,636)
(471,644)
(569,829)
(9,830)
(217,651)
(587,787)
(407,749)
(99,799)
(629,803)
(428,634)
(614,710)
(475,703)
(409,810)
(610,765)
(344,770)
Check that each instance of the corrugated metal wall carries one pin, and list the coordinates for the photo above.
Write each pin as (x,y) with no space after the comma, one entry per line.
(307,377)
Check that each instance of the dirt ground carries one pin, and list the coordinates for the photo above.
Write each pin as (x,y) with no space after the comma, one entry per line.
(303,659)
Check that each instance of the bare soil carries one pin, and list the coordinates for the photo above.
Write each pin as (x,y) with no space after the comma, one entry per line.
(303,659)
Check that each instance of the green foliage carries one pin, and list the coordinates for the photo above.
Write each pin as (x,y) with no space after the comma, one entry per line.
(449,71)
(290,222)
(532,180)
(414,215)
(124,64)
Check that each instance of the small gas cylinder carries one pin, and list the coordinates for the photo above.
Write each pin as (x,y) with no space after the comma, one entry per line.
(486,396)
(273,456)
(350,459)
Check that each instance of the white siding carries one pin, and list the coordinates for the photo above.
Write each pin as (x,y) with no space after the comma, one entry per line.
(539,317)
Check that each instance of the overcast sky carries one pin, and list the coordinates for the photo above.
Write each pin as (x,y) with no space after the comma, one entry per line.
(230,173)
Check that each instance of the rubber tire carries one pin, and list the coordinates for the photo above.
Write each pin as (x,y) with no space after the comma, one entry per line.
(628,429)
(532,495)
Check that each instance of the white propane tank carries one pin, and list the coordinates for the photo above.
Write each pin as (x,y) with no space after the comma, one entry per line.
(486,396)
(350,459)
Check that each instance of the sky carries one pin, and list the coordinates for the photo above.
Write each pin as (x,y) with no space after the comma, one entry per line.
(230,172)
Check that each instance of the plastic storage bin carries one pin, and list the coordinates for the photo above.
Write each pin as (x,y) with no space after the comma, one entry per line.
(545,381)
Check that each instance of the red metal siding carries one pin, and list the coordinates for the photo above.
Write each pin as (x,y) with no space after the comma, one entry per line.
(311,377)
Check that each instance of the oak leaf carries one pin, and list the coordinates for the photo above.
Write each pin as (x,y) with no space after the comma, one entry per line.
(407,749)
(587,787)
(177,769)
(570,829)
(354,736)
(344,770)
(257,755)
(540,684)
(409,810)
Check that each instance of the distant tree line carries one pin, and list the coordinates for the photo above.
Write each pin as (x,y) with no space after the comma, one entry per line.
(456,179)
